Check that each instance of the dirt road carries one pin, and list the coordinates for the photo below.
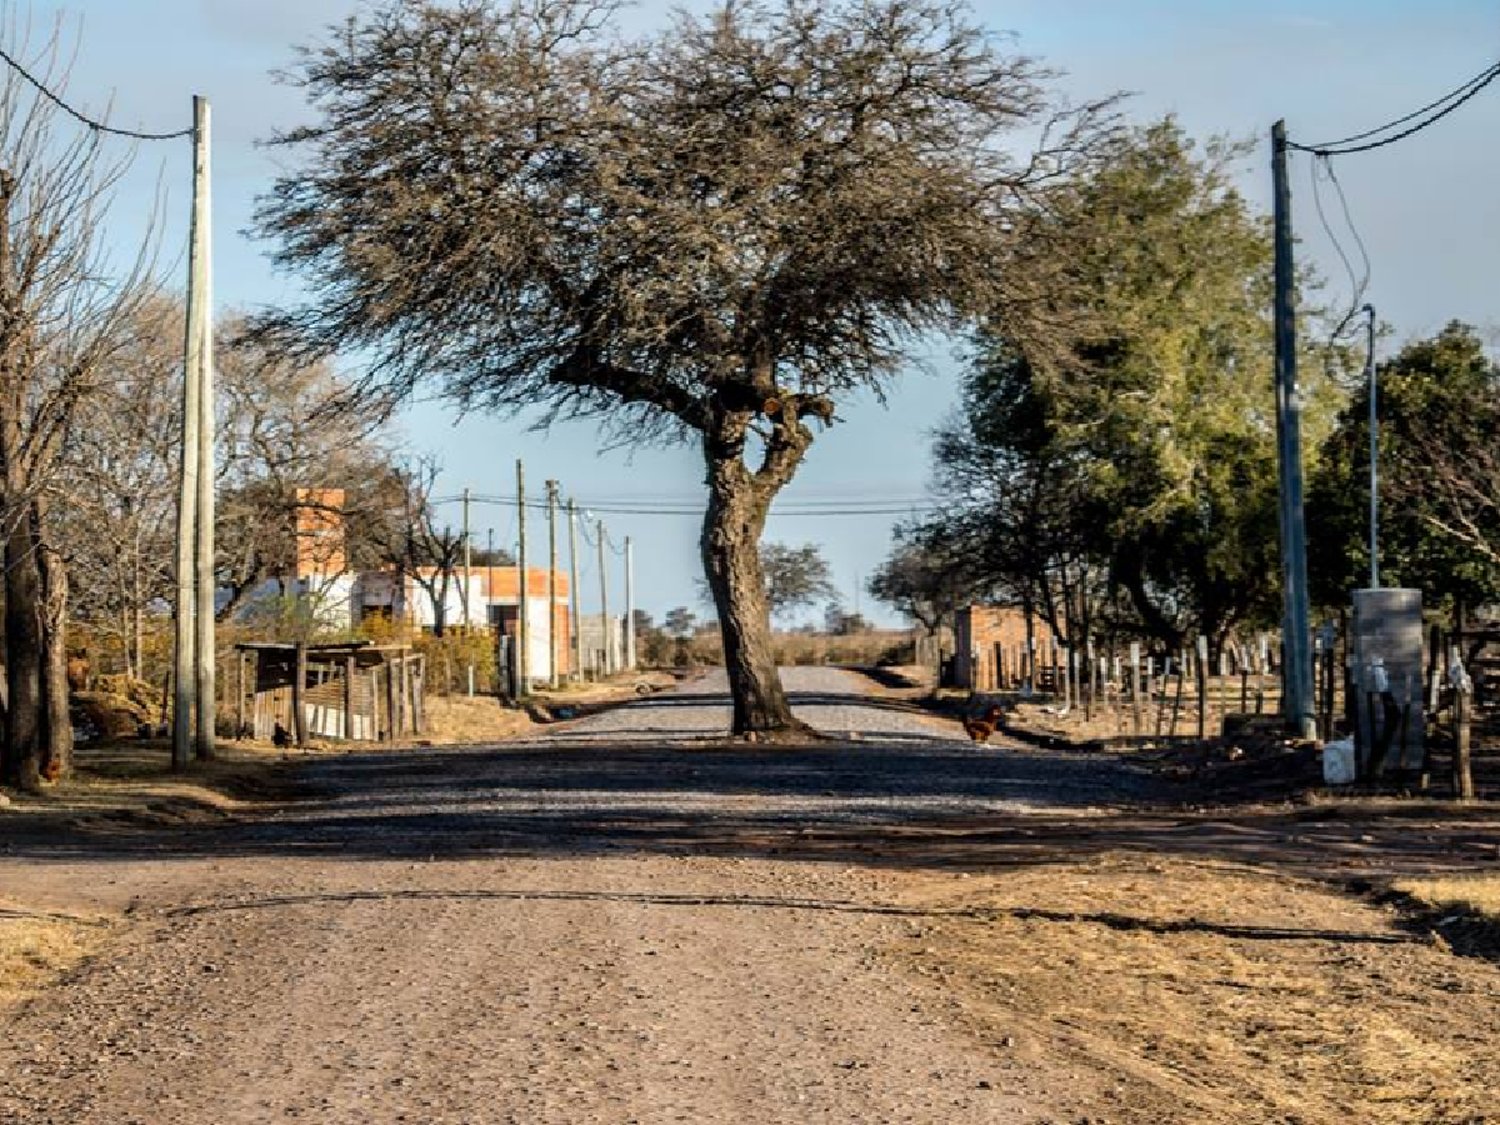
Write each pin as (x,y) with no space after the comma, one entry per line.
(620,923)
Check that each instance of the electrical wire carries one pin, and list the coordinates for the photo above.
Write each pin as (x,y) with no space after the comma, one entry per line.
(1358,286)
(1434,112)
(82,118)
(628,508)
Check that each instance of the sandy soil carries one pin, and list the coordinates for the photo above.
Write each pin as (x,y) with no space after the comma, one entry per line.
(615,922)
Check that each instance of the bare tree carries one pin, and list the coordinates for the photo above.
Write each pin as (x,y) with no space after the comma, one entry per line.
(65,314)
(926,578)
(287,432)
(713,233)
(410,540)
(117,476)
(1457,493)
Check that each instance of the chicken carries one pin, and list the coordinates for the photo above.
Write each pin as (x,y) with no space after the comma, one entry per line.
(980,729)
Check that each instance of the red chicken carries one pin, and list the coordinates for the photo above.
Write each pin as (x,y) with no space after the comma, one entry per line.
(980,729)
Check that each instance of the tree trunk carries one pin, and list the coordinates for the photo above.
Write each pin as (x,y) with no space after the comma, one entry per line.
(738,502)
(22,764)
(57,748)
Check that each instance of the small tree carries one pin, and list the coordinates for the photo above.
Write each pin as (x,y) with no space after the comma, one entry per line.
(925,578)
(680,622)
(839,622)
(713,233)
(795,577)
(408,537)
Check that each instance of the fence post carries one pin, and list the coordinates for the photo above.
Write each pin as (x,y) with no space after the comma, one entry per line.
(1463,692)
(1202,682)
(1135,688)
(299,682)
(349,698)
(239,706)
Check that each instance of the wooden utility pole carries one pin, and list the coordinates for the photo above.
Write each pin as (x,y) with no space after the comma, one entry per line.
(1297,672)
(523,632)
(629,605)
(609,654)
(193,664)
(574,594)
(552,583)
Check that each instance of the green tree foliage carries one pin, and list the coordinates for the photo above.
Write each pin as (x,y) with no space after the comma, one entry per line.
(1135,478)
(680,622)
(839,622)
(796,577)
(1439,415)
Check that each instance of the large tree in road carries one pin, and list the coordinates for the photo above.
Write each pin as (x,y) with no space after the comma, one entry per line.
(712,233)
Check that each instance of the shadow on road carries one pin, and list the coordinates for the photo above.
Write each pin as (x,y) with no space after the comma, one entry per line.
(916,803)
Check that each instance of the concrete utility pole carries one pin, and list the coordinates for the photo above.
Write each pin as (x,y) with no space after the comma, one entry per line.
(574,594)
(193,663)
(1297,691)
(468,564)
(609,651)
(630,661)
(552,583)
(523,632)
(1369,311)
(207,603)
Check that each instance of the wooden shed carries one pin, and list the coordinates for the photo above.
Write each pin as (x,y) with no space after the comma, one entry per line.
(353,691)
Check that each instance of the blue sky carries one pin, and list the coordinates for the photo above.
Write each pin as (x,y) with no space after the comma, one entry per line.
(1429,208)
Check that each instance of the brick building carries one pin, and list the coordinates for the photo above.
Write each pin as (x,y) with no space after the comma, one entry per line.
(990,645)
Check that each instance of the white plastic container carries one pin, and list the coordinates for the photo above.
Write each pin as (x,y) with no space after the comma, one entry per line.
(1338,762)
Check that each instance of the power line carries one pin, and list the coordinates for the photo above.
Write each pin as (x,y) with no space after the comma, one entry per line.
(627,508)
(83,118)
(1357,286)
(1433,111)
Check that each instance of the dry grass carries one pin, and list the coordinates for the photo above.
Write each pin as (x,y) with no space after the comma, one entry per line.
(1205,993)
(813,648)
(1479,894)
(37,947)
(456,720)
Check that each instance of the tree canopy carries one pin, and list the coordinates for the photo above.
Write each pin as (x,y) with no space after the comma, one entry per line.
(1134,477)
(1439,424)
(709,232)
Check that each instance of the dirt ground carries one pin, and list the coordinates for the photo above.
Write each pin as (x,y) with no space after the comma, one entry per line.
(604,924)
(1210,993)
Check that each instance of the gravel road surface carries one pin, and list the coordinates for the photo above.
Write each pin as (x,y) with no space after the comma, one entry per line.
(616,922)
